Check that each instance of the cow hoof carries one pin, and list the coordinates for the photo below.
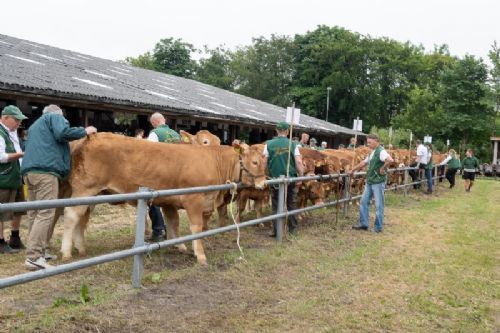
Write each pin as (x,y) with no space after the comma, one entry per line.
(65,258)
(82,253)
(202,261)
(181,248)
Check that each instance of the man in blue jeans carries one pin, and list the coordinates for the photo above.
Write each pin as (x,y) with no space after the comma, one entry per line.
(376,177)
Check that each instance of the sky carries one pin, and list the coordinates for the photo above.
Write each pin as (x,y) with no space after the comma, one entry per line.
(117,29)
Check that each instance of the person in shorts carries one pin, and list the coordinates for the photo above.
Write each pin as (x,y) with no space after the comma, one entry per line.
(469,166)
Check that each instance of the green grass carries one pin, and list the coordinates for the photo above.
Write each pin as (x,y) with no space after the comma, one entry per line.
(434,269)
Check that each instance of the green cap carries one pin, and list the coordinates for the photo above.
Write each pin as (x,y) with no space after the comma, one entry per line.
(282,126)
(14,112)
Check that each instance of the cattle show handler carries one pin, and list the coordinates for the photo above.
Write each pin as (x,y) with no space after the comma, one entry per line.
(161,133)
(376,177)
(47,161)
(469,166)
(10,175)
(276,159)
(453,164)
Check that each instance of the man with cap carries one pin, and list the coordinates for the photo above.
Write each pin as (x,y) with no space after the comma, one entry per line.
(47,162)
(11,187)
(276,160)
(313,144)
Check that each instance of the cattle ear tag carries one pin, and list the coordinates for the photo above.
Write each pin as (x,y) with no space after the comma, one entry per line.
(185,139)
(237,149)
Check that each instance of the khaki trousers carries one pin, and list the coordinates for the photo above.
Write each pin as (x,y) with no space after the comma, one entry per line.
(41,186)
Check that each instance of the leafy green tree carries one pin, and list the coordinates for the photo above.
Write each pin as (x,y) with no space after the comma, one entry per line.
(264,69)
(467,117)
(173,56)
(494,56)
(215,69)
(143,61)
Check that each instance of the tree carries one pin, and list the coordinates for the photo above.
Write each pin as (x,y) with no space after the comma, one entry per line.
(215,69)
(143,61)
(264,69)
(467,117)
(173,56)
(494,56)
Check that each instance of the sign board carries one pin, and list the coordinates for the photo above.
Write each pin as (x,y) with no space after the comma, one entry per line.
(296,116)
(357,125)
(448,142)
(427,139)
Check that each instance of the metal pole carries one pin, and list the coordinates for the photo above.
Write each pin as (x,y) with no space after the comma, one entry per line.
(347,185)
(140,227)
(281,208)
(405,181)
(327,102)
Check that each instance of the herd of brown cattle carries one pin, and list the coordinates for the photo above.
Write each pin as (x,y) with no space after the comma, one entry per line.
(110,163)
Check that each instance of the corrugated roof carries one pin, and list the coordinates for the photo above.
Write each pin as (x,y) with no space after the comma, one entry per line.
(31,67)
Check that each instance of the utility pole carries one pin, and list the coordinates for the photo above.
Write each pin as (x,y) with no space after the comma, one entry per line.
(327,101)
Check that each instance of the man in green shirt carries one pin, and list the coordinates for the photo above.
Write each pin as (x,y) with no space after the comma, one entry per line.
(276,161)
(376,177)
(469,166)
(352,144)
(160,133)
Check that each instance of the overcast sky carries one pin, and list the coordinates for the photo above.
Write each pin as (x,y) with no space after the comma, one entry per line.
(117,29)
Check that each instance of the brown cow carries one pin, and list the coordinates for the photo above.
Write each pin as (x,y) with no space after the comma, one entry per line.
(203,138)
(113,163)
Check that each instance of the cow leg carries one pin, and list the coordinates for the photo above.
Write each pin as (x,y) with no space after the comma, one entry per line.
(242,202)
(172,217)
(72,217)
(79,233)
(196,226)
(222,214)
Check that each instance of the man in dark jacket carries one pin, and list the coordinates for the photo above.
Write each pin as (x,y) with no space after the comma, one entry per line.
(47,161)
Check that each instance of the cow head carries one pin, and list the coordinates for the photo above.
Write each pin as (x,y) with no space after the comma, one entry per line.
(202,138)
(252,166)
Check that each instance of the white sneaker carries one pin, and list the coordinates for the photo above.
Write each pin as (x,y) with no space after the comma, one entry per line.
(34,265)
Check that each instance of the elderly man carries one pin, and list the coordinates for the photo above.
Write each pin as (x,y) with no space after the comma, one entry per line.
(376,177)
(47,161)
(10,176)
(276,159)
(160,133)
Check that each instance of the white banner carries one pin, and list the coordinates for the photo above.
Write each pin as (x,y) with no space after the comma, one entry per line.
(357,125)
(296,116)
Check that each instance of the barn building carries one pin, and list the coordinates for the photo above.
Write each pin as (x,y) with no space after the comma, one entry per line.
(116,97)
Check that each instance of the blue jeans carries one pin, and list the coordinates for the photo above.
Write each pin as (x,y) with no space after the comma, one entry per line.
(428,176)
(376,191)
(157,222)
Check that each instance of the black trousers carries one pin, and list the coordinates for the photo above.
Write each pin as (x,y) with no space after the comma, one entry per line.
(290,205)
(450,175)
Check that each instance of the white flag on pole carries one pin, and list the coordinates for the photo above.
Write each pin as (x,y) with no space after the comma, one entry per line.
(296,116)
(357,125)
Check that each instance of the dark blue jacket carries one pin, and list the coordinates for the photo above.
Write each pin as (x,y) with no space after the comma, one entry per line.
(47,147)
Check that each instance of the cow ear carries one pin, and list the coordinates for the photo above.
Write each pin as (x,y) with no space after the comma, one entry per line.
(242,148)
(186,137)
